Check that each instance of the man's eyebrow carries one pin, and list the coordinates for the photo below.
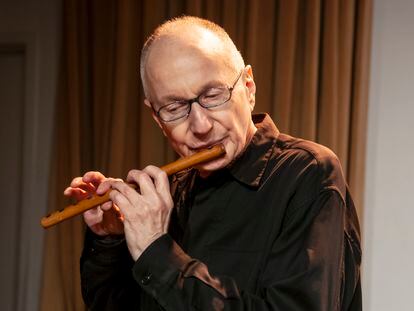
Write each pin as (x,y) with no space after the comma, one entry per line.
(211,84)
(170,98)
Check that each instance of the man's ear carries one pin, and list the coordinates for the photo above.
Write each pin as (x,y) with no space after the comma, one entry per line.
(251,86)
(154,115)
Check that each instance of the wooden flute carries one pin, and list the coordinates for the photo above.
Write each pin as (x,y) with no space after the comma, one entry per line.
(171,168)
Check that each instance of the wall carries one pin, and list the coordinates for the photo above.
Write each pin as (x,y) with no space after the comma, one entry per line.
(29,41)
(389,207)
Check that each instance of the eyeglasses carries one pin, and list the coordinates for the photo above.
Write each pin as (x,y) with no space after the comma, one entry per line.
(211,98)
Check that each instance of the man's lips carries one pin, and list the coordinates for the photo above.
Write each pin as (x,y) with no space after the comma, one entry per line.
(206,145)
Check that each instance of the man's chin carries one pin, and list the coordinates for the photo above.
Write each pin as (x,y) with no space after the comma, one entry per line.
(209,167)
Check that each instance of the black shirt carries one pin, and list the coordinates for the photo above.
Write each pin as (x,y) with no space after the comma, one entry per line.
(276,230)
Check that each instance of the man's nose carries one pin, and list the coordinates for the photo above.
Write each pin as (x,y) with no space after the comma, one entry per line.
(200,122)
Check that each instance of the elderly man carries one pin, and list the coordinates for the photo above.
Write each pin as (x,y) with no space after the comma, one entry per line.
(268,226)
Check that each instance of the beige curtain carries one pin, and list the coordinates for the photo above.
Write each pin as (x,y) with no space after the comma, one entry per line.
(310,60)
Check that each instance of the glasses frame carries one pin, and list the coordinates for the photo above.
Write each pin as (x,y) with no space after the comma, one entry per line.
(190,102)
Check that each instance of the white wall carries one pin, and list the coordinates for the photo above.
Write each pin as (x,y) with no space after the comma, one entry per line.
(389,205)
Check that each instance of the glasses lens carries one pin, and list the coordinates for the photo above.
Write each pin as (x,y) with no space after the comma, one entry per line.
(174,111)
(214,97)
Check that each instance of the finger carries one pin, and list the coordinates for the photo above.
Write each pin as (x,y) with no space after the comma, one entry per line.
(124,206)
(93,216)
(81,189)
(76,193)
(161,182)
(107,206)
(106,185)
(128,195)
(119,195)
(79,183)
(159,177)
(113,220)
(116,208)
(117,212)
(143,180)
(93,177)
(76,182)
(95,222)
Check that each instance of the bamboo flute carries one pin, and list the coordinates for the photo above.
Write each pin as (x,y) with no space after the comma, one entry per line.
(171,168)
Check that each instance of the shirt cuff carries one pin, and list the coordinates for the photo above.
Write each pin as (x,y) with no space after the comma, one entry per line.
(160,266)
(105,250)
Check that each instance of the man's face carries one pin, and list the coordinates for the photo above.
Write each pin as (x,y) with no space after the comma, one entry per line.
(183,73)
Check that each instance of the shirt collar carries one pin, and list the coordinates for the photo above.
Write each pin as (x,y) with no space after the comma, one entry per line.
(251,165)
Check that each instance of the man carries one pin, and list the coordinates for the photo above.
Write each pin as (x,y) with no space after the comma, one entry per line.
(269,226)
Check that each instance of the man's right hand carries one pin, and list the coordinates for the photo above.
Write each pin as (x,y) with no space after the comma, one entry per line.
(103,220)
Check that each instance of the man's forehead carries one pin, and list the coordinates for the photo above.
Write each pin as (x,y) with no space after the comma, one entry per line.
(166,85)
(178,56)
(196,41)
(191,34)
(181,61)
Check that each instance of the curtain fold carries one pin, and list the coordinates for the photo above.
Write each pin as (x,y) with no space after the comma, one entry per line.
(310,61)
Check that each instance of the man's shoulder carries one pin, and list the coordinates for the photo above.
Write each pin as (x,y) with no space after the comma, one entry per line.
(310,162)
(307,149)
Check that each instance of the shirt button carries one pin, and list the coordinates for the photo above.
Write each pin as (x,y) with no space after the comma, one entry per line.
(146,279)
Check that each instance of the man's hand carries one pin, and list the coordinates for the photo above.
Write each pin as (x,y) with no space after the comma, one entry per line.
(104,219)
(146,213)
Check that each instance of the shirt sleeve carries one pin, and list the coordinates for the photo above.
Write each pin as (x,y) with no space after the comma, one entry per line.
(304,269)
(106,278)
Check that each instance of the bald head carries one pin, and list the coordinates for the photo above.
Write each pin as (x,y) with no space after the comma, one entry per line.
(187,36)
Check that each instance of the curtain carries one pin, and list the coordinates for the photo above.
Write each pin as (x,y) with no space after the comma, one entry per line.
(310,61)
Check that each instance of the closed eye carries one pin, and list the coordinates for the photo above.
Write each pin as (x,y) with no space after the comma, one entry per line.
(175,107)
(213,93)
